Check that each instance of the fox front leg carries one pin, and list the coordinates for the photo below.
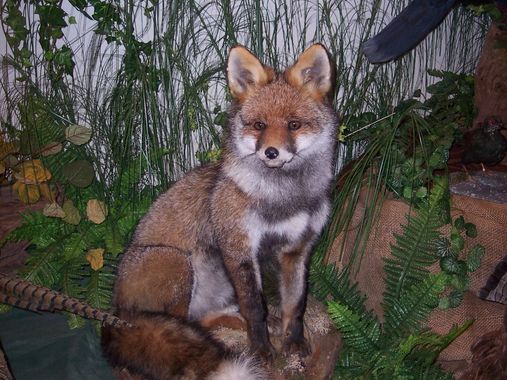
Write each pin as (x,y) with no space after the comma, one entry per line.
(293,290)
(252,306)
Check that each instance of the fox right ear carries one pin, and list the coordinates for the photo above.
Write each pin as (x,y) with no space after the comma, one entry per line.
(314,72)
(245,72)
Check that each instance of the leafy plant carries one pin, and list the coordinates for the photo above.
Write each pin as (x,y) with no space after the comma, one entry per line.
(401,346)
(403,153)
(77,254)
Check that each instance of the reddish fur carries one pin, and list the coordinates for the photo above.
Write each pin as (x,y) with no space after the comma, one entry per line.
(156,346)
(204,218)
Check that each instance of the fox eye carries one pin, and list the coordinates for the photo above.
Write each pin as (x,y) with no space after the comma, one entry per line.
(259,125)
(294,125)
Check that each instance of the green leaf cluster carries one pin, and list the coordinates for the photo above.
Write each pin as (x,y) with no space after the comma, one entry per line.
(58,254)
(401,347)
(444,115)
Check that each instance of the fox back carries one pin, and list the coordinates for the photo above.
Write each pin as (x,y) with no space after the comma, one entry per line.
(195,258)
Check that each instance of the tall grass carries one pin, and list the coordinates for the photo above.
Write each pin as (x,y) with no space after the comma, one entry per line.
(162,89)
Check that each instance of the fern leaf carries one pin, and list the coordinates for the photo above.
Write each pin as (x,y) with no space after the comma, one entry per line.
(415,249)
(74,321)
(38,229)
(423,349)
(326,282)
(71,278)
(41,267)
(74,246)
(361,332)
(99,287)
(404,316)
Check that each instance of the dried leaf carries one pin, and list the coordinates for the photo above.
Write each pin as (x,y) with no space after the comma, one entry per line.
(53,210)
(71,213)
(46,192)
(7,148)
(96,258)
(10,161)
(27,193)
(2,168)
(96,211)
(79,173)
(78,134)
(32,172)
(51,148)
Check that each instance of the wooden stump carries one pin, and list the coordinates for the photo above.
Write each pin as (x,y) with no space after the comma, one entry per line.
(491,76)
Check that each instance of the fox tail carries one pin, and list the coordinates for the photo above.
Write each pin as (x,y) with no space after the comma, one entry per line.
(159,346)
(147,345)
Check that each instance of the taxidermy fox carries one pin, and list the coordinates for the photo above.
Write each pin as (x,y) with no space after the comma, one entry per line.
(196,257)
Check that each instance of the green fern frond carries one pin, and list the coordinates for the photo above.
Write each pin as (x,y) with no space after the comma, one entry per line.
(327,282)
(405,315)
(424,348)
(71,277)
(74,321)
(360,332)
(38,229)
(350,365)
(42,267)
(99,287)
(415,249)
(74,246)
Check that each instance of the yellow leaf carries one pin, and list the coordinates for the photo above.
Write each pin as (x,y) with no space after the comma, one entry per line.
(27,193)
(53,210)
(17,185)
(96,211)
(7,148)
(96,258)
(32,172)
(341,133)
(71,213)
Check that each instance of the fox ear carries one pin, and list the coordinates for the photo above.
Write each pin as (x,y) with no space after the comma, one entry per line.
(313,71)
(245,72)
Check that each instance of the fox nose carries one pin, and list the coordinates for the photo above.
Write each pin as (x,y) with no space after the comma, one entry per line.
(271,153)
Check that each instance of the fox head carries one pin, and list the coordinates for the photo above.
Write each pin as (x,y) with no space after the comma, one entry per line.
(281,120)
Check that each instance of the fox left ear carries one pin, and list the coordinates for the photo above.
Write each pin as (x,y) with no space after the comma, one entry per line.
(314,71)
(245,72)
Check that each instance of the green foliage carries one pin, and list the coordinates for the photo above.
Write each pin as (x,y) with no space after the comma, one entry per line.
(406,153)
(447,112)
(414,251)
(59,254)
(451,100)
(401,347)
(360,333)
(457,261)
(328,283)
(406,149)
(401,151)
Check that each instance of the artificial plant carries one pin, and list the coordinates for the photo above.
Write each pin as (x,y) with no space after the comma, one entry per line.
(401,346)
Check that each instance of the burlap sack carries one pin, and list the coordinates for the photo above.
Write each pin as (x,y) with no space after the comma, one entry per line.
(491,221)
